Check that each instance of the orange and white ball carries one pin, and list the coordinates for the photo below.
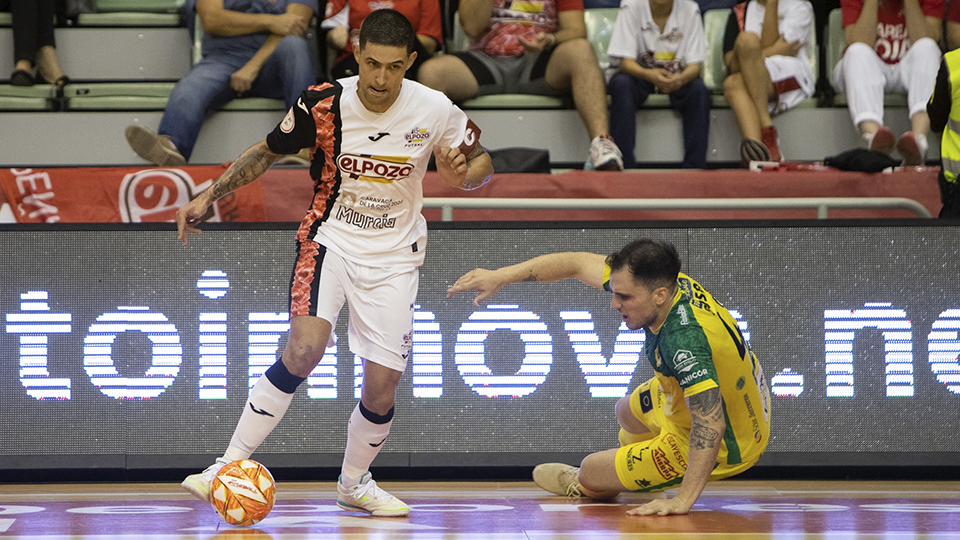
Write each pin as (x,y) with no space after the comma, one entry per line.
(243,492)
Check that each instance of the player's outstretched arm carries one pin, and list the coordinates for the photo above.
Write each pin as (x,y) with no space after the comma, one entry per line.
(706,411)
(245,169)
(586,267)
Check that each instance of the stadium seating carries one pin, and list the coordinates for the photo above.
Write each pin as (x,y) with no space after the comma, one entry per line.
(122,74)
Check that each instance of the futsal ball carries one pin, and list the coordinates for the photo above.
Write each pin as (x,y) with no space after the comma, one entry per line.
(243,492)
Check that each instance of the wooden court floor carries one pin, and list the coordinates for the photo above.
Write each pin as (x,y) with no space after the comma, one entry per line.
(732,509)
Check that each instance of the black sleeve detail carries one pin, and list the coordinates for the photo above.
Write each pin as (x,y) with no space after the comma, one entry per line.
(292,135)
(941,101)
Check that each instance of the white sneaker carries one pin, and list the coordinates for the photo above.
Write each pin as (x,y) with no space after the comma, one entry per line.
(199,484)
(367,497)
(559,479)
(605,155)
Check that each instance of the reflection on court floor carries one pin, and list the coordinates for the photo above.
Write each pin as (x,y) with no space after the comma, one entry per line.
(493,511)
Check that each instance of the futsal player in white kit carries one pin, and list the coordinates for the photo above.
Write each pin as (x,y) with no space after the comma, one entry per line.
(362,240)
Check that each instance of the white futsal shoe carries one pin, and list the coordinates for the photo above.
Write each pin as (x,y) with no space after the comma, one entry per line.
(367,497)
(199,484)
(559,479)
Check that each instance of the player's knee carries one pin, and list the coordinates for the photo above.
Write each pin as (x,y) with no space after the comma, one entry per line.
(747,43)
(857,53)
(431,74)
(301,357)
(627,420)
(576,54)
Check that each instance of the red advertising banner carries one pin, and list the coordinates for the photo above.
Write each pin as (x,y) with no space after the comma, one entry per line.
(121,194)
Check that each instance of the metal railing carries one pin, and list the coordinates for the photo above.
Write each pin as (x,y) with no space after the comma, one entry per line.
(821,204)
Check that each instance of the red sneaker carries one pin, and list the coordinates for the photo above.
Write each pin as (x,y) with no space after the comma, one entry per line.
(909,148)
(883,140)
(769,137)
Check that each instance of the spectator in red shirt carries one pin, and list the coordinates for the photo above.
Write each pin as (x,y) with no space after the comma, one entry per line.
(892,45)
(953,25)
(536,48)
(344,17)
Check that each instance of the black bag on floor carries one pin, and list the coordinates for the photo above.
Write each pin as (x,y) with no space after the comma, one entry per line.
(520,160)
(861,160)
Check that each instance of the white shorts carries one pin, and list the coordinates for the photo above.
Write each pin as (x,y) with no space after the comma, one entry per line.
(792,79)
(380,300)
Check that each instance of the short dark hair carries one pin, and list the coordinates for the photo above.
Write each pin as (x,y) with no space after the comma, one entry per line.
(654,263)
(388,27)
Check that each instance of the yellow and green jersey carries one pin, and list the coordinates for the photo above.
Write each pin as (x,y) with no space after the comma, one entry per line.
(699,346)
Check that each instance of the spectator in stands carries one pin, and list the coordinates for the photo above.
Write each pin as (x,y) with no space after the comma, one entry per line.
(33,44)
(944,108)
(250,48)
(344,18)
(953,25)
(658,46)
(768,71)
(529,48)
(891,46)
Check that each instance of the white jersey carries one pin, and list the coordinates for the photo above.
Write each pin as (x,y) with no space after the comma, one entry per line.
(368,167)
(794,18)
(637,36)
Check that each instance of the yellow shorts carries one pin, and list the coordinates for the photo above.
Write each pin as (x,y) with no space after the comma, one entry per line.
(659,463)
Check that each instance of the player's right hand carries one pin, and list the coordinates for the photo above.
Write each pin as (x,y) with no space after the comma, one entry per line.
(188,217)
(485,282)
(288,24)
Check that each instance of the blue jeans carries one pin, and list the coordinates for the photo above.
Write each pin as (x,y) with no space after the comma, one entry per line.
(287,73)
(627,94)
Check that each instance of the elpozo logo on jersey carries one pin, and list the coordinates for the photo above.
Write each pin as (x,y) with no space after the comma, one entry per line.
(416,137)
(382,169)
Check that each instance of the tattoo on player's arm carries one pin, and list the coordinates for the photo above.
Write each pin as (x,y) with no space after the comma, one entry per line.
(703,437)
(245,169)
(706,404)
(531,277)
(705,408)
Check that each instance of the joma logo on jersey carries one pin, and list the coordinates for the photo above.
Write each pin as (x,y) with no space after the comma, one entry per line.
(375,169)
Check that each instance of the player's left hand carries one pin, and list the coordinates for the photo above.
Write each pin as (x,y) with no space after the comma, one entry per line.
(540,42)
(451,164)
(190,215)
(661,507)
(483,281)
(242,80)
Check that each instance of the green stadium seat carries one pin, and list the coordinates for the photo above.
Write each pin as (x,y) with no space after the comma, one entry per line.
(26,98)
(141,6)
(5,19)
(836,43)
(129,18)
(125,96)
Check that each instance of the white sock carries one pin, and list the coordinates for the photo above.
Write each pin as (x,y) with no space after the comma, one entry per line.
(265,407)
(364,441)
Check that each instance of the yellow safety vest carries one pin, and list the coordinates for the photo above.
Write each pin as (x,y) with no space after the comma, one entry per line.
(950,142)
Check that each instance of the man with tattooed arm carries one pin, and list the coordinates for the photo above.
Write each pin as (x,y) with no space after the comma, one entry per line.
(704,415)
(362,241)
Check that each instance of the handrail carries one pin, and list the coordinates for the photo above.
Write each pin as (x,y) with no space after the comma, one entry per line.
(822,204)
